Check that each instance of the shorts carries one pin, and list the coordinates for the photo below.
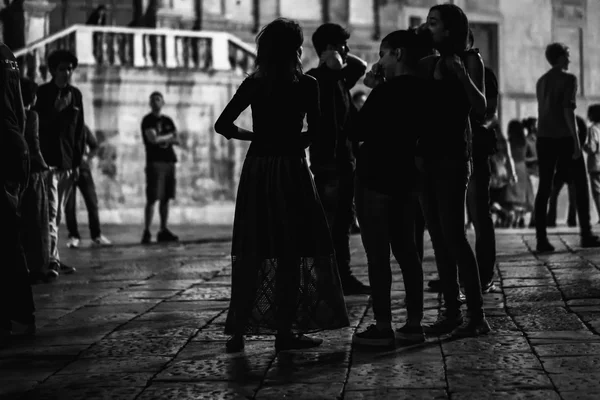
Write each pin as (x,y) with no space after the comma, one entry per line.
(160,181)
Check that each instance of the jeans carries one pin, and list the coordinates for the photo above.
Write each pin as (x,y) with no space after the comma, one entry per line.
(444,187)
(59,184)
(556,155)
(337,196)
(390,221)
(86,186)
(595,184)
(560,178)
(16,297)
(35,225)
(478,205)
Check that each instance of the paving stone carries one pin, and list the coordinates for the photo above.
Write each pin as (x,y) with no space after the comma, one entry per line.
(239,369)
(499,380)
(549,337)
(126,347)
(204,350)
(302,391)
(527,282)
(512,271)
(164,284)
(524,309)
(557,319)
(392,393)
(85,393)
(14,389)
(523,394)
(398,374)
(588,290)
(595,395)
(115,365)
(567,349)
(532,294)
(588,382)
(135,379)
(197,391)
(501,324)
(34,369)
(487,344)
(494,361)
(571,364)
(143,329)
(32,349)
(204,293)
(309,367)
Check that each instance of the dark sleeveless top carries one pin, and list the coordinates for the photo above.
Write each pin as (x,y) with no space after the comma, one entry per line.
(447,134)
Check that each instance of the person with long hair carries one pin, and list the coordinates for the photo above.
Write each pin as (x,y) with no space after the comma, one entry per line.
(444,160)
(284,274)
(386,186)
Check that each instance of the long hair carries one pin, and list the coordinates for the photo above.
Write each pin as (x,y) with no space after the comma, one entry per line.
(457,24)
(277,56)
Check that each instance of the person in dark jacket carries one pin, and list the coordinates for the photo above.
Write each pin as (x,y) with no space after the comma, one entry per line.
(16,297)
(35,199)
(331,158)
(62,140)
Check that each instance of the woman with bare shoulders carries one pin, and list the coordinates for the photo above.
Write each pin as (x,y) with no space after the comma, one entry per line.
(456,79)
(284,273)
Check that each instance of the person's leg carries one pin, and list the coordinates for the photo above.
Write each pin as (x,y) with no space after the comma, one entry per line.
(151,198)
(166,192)
(148,214)
(71,211)
(572,213)
(478,200)
(547,159)
(52,178)
(404,212)
(88,192)
(582,199)
(595,184)
(558,182)
(419,230)
(163,211)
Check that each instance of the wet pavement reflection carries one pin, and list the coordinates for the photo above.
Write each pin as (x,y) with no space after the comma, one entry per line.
(147,323)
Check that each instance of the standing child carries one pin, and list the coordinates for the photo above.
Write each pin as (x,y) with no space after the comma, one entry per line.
(592,148)
(284,277)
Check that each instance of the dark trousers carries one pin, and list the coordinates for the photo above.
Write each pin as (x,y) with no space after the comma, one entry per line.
(16,297)
(337,197)
(444,187)
(478,206)
(35,225)
(556,155)
(390,221)
(560,179)
(86,186)
(595,186)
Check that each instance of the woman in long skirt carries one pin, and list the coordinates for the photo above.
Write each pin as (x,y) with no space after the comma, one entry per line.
(284,278)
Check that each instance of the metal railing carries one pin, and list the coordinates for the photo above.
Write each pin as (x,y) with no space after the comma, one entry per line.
(141,48)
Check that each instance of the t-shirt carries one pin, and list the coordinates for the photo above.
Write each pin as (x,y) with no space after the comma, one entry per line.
(555,90)
(158,152)
(389,124)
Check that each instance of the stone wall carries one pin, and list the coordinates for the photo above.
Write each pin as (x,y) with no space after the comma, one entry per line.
(116,100)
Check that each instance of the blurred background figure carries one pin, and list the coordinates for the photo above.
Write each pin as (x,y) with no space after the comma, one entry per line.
(98,16)
(85,183)
(592,148)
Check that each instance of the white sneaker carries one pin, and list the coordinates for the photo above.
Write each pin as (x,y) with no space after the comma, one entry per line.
(73,243)
(101,241)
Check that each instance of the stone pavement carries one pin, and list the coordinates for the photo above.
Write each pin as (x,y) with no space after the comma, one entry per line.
(146,323)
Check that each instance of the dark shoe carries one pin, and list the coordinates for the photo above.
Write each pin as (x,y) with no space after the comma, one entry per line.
(410,334)
(435,285)
(446,323)
(295,342)
(146,237)
(65,269)
(374,337)
(544,246)
(352,286)
(489,287)
(472,327)
(166,236)
(235,344)
(45,275)
(590,240)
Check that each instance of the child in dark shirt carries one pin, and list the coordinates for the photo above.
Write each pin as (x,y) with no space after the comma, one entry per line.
(386,185)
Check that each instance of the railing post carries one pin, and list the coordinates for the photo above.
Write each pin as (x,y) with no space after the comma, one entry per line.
(170,51)
(220,51)
(139,60)
(84,46)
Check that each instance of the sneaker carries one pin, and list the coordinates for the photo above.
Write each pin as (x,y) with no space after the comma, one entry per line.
(352,286)
(166,236)
(374,337)
(146,237)
(489,287)
(73,242)
(472,327)
(101,241)
(544,246)
(590,240)
(410,334)
(445,323)
(295,342)
(64,268)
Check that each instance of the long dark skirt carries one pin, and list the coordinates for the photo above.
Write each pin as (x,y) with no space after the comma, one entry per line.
(284,273)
